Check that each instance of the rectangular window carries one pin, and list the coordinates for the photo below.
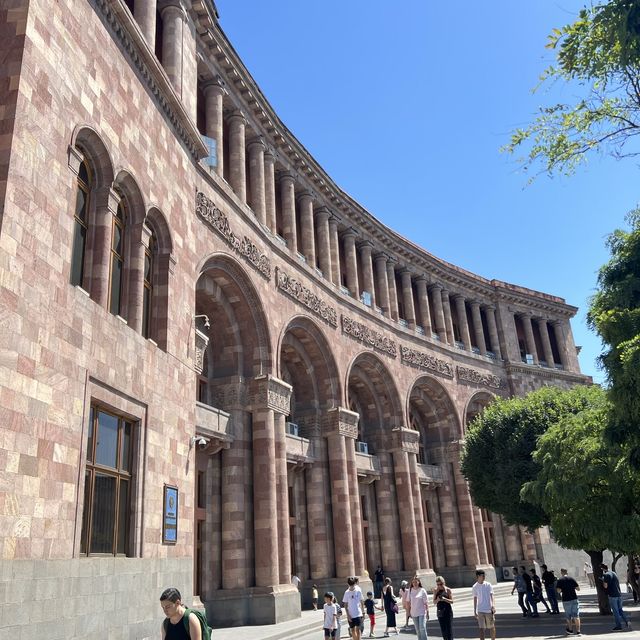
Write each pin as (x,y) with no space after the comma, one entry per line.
(107,492)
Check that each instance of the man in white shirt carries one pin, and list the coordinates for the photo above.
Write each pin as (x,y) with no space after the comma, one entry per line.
(353,603)
(484,605)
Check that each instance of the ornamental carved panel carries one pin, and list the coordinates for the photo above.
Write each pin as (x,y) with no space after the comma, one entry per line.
(296,290)
(218,221)
(479,377)
(404,439)
(343,422)
(268,392)
(369,337)
(425,361)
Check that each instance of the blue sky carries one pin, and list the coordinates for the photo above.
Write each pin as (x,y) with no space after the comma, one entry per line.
(406,104)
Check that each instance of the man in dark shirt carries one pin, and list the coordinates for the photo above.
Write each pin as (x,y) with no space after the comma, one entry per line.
(378,578)
(549,581)
(567,587)
(612,586)
(530,599)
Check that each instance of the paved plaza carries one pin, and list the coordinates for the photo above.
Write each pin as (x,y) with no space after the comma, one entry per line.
(510,623)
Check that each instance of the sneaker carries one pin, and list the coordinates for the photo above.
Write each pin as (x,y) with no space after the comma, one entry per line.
(568,630)
(616,629)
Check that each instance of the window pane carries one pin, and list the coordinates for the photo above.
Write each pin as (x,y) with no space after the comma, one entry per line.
(83,173)
(147,267)
(117,239)
(77,257)
(104,514)
(116,282)
(85,512)
(107,445)
(123,517)
(125,457)
(146,306)
(90,438)
(81,204)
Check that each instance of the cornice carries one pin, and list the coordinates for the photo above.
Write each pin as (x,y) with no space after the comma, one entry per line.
(546,372)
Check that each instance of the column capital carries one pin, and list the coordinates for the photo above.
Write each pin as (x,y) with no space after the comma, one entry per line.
(341,421)
(458,296)
(525,314)
(270,155)
(306,194)
(334,219)
(350,232)
(286,175)
(365,245)
(405,271)
(267,391)
(215,86)
(404,439)
(488,307)
(256,142)
(173,5)
(236,114)
(322,213)
(436,287)
(381,257)
(422,278)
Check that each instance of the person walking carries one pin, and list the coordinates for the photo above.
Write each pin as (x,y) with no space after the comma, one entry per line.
(405,596)
(538,596)
(390,607)
(588,574)
(531,602)
(330,623)
(520,586)
(370,608)
(612,586)
(443,599)
(568,587)
(484,605)
(419,607)
(353,603)
(173,626)
(549,580)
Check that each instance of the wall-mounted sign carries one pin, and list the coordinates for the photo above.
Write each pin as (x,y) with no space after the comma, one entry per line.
(170,515)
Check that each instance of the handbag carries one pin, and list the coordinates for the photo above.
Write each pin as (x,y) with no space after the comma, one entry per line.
(394,607)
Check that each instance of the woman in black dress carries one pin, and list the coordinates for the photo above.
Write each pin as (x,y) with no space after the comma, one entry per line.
(389,606)
(443,599)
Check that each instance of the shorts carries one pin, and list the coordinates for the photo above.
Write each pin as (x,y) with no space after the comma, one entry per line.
(486,620)
(571,609)
(329,633)
(355,622)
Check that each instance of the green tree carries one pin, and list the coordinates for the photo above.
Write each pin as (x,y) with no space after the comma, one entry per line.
(615,315)
(584,487)
(599,55)
(502,439)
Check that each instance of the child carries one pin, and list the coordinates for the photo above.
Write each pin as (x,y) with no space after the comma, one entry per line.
(370,606)
(330,623)
(314,597)
(338,616)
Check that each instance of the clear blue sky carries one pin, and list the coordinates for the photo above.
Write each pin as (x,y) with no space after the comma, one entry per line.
(405,104)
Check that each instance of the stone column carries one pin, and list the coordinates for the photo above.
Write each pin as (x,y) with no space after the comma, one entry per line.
(512,543)
(237,161)
(423,305)
(324,246)
(441,329)
(566,345)
(214,93)
(502,557)
(465,510)
(388,525)
(461,312)
(306,227)
(493,331)
(356,511)
(257,177)
(349,238)
(451,532)
(282,489)
(477,327)
(288,198)
(403,440)
(393,294)
(173,25)
(546,343)
(144,11)
(528,336)
(367,270)
(448,321)
(418,512)
(136,290)
(106,207)
(407,297)
(383,284)
(482,541)
(270,189)
(334,242)
(439,556)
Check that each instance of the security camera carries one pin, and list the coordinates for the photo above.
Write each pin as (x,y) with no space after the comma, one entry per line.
(201,441)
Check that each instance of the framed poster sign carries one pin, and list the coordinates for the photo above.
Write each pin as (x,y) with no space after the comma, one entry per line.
(170,515)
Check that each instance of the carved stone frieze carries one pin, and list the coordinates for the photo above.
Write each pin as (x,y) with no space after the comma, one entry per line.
(218,221)
(403,439)
(296,290)
(341,421)
(426,361)
(229,396)
(479,377)
(369,337)
(271,393)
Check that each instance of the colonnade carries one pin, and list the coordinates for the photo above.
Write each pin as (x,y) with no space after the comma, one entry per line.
(542,340)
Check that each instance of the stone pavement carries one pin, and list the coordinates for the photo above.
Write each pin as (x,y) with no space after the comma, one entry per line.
(509,622)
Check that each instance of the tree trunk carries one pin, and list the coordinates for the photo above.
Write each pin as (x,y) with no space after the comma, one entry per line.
(603,599)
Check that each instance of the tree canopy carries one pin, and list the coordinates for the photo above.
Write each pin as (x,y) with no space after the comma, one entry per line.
(599,55)
(497,457)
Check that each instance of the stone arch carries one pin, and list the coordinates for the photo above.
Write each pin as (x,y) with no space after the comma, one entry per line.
(306,361)
(127,186)
(431,411)
(372,392)
(86,140)
(239,345)
(157,222)
(476,404)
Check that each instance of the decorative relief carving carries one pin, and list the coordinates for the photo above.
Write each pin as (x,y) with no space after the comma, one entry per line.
(425,361)
(271,393)
(219,222)
(478,377)
(299,292)
(371,338)
(343,422)
(404,439)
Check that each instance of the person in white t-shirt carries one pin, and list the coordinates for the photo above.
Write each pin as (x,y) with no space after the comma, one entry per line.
(419,608)
(353,603)
(330,623)
(484,605)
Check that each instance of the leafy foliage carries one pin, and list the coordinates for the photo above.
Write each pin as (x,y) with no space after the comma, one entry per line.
(497,458)
(615,315)
(600,53)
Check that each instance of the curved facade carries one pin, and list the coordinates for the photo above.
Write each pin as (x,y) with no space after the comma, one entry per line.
(192,309)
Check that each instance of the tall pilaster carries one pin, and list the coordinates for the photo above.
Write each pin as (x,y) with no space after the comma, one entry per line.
(478,331)
(257,177)
(482,542)
(307,233)
(367,269)
(528,336)
(334,243)
(237,161)
(282,488)
(173,19)
(288,198)
(144,11)
(383,284)
(441,328)
(423,305)
(546,343)
(388,525)
(418,512)
(407,298)
(356,511)
(393,294)
(270,189)
(136,291)
(350,256)
(463,325)
(490,313)
(106,207)
(465,510)
(448,320)
(214,93)
(451,532)
(324,245)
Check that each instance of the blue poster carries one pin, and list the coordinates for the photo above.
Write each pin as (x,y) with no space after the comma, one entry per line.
(170,516)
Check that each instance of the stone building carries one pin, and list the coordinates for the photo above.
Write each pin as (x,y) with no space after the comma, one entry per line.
(218,369)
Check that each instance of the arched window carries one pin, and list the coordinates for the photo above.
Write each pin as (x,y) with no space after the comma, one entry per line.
(80,224)
(147,295)
(117,259)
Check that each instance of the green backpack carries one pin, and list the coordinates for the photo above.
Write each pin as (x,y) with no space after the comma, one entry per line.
(202,619)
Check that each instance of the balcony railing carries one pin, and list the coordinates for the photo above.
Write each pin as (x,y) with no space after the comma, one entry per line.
(299,450)
(430,474)
(213,423)
(368,466)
